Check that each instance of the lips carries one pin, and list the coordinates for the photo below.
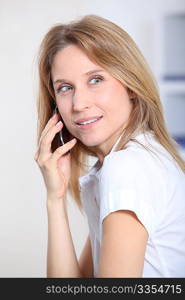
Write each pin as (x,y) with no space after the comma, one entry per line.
(88,119)
(86,125)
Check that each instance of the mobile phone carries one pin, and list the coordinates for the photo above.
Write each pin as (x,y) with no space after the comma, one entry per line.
(62,137)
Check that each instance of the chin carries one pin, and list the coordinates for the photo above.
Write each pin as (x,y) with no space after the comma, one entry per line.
(90,142)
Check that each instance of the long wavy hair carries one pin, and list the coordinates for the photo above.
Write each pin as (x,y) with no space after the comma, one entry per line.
(109,46)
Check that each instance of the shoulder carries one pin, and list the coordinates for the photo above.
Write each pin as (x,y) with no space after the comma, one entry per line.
(134,167)
(130,161)
(144,155)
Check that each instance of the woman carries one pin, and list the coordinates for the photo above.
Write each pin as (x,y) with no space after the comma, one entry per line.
(94,74)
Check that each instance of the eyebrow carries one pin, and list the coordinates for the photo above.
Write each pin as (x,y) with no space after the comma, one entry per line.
(88,73)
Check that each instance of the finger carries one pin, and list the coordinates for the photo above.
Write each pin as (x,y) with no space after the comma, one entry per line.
(60,151)
(45,146)
(51,122)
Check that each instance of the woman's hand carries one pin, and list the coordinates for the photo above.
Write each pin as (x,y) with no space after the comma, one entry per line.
(56,166)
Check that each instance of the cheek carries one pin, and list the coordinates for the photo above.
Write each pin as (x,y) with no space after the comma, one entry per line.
(121,111)
(116,101)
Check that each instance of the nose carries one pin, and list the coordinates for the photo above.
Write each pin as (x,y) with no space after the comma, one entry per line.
(81,100)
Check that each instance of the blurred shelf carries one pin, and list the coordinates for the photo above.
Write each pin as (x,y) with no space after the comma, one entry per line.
(172,86)
(182,152)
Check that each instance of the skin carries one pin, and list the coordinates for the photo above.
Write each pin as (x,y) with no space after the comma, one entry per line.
(97,94)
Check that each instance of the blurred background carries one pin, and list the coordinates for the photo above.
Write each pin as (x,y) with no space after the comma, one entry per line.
(158,28)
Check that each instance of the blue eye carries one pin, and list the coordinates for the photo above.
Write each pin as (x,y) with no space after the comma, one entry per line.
(63,89)
(97,79)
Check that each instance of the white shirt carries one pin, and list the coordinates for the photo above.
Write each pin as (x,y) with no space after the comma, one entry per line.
(151,186)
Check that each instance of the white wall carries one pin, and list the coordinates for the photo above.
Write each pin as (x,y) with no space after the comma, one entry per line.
(23,218)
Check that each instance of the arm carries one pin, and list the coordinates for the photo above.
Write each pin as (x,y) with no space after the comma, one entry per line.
(123,245)
(61,256)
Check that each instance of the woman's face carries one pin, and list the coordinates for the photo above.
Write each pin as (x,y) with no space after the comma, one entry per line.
(84,91)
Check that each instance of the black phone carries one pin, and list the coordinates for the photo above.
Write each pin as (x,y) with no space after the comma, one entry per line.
(62,137)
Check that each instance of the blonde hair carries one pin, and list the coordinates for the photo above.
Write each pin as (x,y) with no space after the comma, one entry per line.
(112,48)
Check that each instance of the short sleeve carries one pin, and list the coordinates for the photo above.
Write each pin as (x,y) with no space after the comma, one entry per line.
(128,182)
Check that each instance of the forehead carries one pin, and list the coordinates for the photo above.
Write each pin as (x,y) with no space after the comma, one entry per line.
(71,60)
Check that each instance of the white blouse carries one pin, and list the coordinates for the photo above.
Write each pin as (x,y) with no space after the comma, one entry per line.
(152,186)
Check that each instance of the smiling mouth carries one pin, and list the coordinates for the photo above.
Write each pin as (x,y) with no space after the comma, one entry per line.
(88,124)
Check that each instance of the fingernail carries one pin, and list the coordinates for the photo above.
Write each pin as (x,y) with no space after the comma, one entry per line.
(58,124)
(53,117)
